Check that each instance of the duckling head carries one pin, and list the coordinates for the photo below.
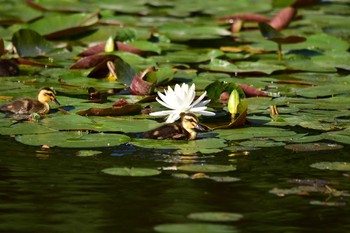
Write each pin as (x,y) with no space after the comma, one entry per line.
(190,123)
(47,94)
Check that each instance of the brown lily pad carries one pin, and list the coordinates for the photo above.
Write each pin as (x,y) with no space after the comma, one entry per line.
(313,147)
(128,109)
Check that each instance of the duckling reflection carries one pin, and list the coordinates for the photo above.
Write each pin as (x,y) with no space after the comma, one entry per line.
(29,106)
(185,129)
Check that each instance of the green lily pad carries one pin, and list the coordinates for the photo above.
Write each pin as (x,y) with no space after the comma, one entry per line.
(195,227)
(189,32)
(124,171)
(215,216)
(29,43)
(243,67)
(256,132)
(58,25)
(146,46)
(206,145)
(261,143)
(73,139)
(206,168)
(25,128)
(88,153)
(335,166)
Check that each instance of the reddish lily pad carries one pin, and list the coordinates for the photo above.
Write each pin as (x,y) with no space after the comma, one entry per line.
(127,109)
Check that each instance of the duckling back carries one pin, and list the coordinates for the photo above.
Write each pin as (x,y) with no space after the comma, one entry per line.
(25,106)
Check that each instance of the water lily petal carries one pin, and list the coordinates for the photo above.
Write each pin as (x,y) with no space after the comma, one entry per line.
(161,113)
(165,104)
(199,99)
(173,117)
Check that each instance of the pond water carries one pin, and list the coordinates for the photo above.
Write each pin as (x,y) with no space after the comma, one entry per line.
(57,191)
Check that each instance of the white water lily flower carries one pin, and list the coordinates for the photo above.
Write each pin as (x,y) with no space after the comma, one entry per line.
(181,100)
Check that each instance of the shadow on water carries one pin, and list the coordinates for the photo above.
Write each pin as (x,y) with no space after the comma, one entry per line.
(57,191)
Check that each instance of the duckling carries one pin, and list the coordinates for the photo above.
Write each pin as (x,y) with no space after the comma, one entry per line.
(28,106)
(186,128)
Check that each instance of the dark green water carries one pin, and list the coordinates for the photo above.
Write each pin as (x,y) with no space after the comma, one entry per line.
(60,192)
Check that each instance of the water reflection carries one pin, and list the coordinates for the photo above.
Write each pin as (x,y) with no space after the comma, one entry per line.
(66,193)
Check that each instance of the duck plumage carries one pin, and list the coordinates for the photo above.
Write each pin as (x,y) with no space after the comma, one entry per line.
(29,106)
(186,128)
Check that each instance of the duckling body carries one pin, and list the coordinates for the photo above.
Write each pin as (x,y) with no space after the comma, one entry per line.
(29,106)
(185,129)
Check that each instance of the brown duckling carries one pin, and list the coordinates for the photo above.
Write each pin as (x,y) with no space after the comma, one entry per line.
(186,128)
(28,105)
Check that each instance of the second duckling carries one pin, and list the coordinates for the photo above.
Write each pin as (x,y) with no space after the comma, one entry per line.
(29,106)
(186,129)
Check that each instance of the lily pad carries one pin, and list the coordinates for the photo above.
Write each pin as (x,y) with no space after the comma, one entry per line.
(195,227)
(25,128)
(206,168)
(215,216)
(335,166)
(313,147)
(124,171)
(206,145)
(88,153)
(29,43)
(256,132)
(73,139)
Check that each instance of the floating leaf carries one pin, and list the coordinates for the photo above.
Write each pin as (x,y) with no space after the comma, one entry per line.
(88,153)
(206,168)
(205,145)
(256,132)
(25,128)
(73,139)
(63,25)
(327,203)
(125,171)
(128,109)
(215,216)
(29,43)
(195,227)
(336,166)
(313,147)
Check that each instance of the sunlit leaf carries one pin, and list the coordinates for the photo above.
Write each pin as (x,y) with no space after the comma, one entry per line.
(133,171)
(73,139)
(215,216)
(194,227)
(88,153)
(336,166)
(58,25)
(206,168)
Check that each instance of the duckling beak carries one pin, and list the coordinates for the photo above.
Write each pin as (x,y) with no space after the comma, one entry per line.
(56,101)
(201,128)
